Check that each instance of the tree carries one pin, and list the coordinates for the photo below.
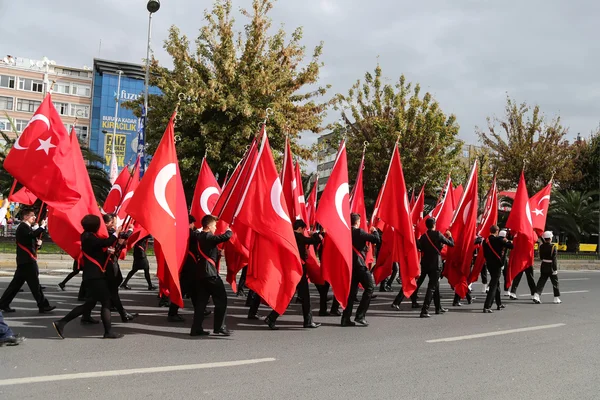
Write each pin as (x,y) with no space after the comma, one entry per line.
(527,140)
(228,81)
(380,114)
(575,214)
(587,160)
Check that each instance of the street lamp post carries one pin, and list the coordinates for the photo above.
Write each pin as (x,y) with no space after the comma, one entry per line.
(152,6)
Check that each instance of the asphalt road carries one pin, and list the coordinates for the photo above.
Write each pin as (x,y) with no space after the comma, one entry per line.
(558,358)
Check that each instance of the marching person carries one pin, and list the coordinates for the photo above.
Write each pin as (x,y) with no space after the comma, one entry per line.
(7,337)
(360,273)
(386,284)
(303,292)
(206,280)
(548,269)
(430,244)
(71,275)
(140,262)
(494,248)
(95,253)
(28,240)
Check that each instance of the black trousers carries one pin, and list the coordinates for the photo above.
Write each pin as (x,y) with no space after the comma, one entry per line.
(25,273)
(494,288)
(504,272)
(544,275)
(242,281)
(457,297)
(202,290)
(97,290)
(363,276)
(390,279)
(433,291)
(304,294)
(484,273)
(530,281)
(72,274)
(186,285)
(138,265)
(253,301)
(323,292)
(413,297)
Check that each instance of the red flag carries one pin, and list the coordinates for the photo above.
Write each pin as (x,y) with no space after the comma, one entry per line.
(274,267)
(521,226)
(357,205)
(65,226)
(464,231)
(394,212)
(539,204)
(411,204)
(333,214)
(457,195)
(121,193)
(206,193)
(23,196)
(416,211)
(375,220)
(288,180)
(300,202)
(311,205)
(42,159)
(442,212)
(159,205)
(489,218)
(138,233)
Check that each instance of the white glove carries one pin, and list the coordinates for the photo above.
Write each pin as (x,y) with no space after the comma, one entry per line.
(555,272)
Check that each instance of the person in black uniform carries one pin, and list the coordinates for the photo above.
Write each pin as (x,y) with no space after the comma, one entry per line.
(494,248)
(28,240)
(386,284)
(7,336)
(413,297)
(206,280)
(71,275)
(548,269)
(430,244)
(140,262)
(95,252)
(303,292)
(360,273)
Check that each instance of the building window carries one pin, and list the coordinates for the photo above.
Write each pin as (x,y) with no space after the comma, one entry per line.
(4,125)
(82,132)
(81,90)
(20,124)
(466,153)
(31,85)
(7,81)
(25,105)
(80,111)
(6,103)
(62,88)
(62,108)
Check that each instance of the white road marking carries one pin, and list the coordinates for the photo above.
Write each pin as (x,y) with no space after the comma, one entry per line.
(497,333)
(133,371)
(548,293)
(575,279)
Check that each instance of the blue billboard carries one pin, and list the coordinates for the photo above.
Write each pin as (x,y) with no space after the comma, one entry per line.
(103,111)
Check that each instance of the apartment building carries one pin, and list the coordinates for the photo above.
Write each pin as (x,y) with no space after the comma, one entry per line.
(24,83)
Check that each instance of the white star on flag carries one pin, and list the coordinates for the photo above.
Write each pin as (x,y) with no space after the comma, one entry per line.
(45,145)
(538,212)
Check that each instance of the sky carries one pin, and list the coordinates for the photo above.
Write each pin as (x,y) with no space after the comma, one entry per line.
(470,54)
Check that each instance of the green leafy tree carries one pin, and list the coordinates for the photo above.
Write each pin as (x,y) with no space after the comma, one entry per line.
(587,161)
(524,138)
(228,80)
(574,214)
(380,114)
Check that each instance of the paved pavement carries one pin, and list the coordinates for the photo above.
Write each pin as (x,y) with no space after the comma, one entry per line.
(527,351)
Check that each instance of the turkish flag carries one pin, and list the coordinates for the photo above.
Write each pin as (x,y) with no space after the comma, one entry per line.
(357,205)
(333,214)
(521,226)
(394,211)
(539,204)
(288,180)
(65,227)
(442,212)
(121,193)
(299,200)
(22,196)
(274,267)
(139,232)
(159,205)
(457,195)
(206,193)
(464,231)
(488,219)
(375,220)
(42,159)
(416,211)
(411,203)
(311,205)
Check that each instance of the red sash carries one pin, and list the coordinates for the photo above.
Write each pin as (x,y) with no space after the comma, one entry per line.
(210,260)
(359,254)
(433,245)
(491,248)
(193,256)
(94,261)
(27,251)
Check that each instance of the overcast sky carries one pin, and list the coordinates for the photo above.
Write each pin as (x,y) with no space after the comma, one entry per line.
(469,54)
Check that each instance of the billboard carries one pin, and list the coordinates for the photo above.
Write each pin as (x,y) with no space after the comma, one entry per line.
(103,117)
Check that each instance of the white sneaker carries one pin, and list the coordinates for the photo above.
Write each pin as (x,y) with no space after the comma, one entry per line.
(512,296)
(536,299)
(557,300)
(507,294)
(485,288)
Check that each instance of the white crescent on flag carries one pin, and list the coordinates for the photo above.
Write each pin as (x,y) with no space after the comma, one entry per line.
(160,186)
(38,117)
(341,191)
(209,191)
(276,190)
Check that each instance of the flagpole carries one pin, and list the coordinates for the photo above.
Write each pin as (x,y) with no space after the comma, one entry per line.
(113,173)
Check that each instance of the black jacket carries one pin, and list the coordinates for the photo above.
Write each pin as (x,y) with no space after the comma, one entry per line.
(139,249)
(94,248)
(359,243)
(205,242)
(303,242)
(430,244)
(26,239)
(494,248)
(548,256)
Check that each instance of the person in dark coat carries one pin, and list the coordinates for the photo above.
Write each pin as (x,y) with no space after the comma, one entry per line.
(140,263)
(494,248)
(548,269)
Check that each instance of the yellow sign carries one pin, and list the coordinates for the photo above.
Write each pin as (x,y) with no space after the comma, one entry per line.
(120,148)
